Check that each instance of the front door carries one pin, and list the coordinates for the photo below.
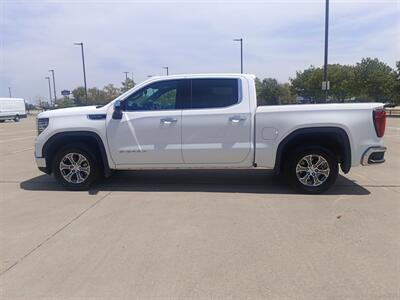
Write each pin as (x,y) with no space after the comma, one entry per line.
(150,129)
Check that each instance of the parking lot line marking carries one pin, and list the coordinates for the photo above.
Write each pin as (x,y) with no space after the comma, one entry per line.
(54,234)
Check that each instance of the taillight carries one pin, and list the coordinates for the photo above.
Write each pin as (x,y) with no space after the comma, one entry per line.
(379,121)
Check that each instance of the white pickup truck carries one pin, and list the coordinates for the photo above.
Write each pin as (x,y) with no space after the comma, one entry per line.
(208,121)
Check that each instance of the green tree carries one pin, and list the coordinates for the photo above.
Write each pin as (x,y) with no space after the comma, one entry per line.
(342,85)
(396,88)
(111,92)
(96,97)
(79,96)
(65,102)
(268,91)
(286,95)
(374,80)
(127,85)
(44,105)
(307,83)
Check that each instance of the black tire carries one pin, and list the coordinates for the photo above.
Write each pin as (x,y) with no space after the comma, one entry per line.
(16,118)
(76,150)
(2,121)
(314,180)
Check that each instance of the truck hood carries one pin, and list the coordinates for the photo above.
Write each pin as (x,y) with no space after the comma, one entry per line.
(73,111)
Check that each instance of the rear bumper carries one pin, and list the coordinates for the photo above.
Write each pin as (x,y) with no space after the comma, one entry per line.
(373,155)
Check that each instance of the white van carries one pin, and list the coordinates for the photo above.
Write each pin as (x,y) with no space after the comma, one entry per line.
(12,109)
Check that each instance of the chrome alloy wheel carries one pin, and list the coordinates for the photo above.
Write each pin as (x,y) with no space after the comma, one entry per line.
(312,170)
(74,168)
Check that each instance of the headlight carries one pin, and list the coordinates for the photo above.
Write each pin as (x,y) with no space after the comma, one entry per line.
(42,124)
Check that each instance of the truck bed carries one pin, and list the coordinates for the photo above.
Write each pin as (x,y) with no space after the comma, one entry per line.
(274,123)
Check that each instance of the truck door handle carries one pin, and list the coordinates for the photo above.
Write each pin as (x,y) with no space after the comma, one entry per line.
(237,119)
(168,121)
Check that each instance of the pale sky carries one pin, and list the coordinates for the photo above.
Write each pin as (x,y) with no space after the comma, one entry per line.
(280,37)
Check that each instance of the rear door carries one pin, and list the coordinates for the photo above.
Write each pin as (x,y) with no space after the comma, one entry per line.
(216,125)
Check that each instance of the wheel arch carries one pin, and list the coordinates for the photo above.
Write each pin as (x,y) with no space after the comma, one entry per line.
(335,139)
(61,139)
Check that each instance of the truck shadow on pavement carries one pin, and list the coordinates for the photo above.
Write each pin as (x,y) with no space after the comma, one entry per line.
(219,181)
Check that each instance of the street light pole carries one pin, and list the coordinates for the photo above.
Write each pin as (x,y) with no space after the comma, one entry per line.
(54,87)
(166,68)
(126,75)
(326,49)
(241,53)
(84,69)
(48,79)
(9,91)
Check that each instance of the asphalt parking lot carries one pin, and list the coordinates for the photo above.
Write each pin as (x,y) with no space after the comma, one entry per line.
(196,234)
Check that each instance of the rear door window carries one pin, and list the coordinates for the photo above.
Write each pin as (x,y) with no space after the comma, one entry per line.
(214,93)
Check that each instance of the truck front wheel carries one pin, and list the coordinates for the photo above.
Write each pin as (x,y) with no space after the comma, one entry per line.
(312,169)
(75,168)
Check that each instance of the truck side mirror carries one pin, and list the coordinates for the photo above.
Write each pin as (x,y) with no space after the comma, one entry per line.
(117,114)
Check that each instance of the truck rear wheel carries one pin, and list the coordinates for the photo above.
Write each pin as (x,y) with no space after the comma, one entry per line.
(75,167)
(16,118)
(311,169)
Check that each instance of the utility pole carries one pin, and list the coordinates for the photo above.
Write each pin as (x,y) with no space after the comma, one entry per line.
(84,70)
(241,53)
(166,68)
(54,87)
(325,85)
(9,91)
(48,79)
(126,75)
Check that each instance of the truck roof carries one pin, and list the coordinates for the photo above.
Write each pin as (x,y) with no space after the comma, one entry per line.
(201,75)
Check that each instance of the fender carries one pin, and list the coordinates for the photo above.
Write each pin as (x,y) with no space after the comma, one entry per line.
(61,138)
(312,133)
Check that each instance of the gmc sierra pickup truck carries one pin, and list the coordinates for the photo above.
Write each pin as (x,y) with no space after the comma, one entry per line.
(208,121)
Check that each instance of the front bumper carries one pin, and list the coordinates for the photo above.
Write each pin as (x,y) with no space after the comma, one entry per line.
(40,162)
(373,155)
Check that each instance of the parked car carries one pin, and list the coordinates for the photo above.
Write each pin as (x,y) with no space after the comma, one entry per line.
(12,109)
(208,121)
